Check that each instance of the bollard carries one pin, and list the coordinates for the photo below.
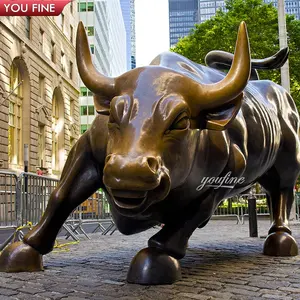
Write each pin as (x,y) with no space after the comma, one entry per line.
(252,216)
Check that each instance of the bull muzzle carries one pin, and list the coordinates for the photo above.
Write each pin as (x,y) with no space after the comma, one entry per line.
(135,183)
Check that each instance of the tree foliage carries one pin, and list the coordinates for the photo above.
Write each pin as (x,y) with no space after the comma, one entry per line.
(220,32)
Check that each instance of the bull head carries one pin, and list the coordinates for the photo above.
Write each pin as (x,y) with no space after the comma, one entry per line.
(152,113)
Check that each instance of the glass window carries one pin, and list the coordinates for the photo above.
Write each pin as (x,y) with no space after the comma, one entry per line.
(91,110)
(42,86)
(62,60)
(92,49)
(82,6)
(42,36)
(90,6)
(83,128)
(55,122)
(28,27)
(72,110)
(41,145)
(71,33)
(53,51)
(83,110)
(15,118)
(16,81)
(11,119)
(83,91)
(62,22)
(90,30)
(71,70)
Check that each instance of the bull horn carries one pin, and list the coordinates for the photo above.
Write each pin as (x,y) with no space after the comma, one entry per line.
(222,92)
(93,80)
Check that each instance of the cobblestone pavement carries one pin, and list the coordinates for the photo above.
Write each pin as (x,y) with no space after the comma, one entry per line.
(222,262)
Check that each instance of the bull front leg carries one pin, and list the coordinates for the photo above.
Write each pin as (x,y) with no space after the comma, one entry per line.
(158,264)
(79,180)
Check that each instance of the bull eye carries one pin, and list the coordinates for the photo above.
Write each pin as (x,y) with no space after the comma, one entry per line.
(181,123)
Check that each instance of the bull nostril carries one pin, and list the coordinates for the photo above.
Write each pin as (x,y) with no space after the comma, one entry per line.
(153,164)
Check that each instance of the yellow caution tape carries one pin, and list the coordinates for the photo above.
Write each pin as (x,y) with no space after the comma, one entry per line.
(28,226)
(60,246)
(56,245)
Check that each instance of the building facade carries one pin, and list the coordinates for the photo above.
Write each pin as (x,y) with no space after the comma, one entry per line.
(183,15)
(292,7)
(132,32)
(208,8)
(126,6)
(38,91)
(108,45)
(117,38)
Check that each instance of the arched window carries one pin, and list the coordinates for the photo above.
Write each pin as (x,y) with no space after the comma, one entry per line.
(55,119)
(57,131)
(15,117)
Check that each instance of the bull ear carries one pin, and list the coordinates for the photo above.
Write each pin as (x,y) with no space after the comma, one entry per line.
(220,119)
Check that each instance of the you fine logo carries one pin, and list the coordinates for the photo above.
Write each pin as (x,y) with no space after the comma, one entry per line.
(32,7)
(226,181)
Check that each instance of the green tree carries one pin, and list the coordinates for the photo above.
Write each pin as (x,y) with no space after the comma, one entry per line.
(220,32)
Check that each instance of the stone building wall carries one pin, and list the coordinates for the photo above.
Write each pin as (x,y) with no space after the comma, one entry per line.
(40,66)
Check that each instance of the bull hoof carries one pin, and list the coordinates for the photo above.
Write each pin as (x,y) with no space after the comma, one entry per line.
(19,257)
(280,244)
(152,266)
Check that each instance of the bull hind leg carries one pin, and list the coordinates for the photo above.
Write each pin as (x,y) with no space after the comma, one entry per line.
(80,179)
(279,241)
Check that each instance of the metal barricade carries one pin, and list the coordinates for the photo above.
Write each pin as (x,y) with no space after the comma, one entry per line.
(35,193)
(229,208)
(297,205)
(262,207)
(8,199)
(238,207)
(24,198)
(9,202)
(93,213)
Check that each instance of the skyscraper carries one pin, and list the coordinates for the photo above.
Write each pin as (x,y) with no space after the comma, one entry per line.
(107,38)
(183,15)
(125,6)
(132,25)
(292,7)
(208,8)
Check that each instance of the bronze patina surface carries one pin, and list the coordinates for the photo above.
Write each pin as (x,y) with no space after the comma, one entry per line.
(162,129)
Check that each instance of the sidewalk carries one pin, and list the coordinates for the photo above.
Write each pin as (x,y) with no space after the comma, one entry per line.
(222,262)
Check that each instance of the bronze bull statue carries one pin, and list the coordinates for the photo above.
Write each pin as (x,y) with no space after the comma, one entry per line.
(163,136)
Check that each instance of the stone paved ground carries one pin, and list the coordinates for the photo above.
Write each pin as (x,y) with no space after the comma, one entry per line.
(222,262)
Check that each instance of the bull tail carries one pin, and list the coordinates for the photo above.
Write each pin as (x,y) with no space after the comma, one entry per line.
(222,60)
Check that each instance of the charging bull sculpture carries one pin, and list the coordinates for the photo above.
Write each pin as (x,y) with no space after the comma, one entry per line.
(162,129)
